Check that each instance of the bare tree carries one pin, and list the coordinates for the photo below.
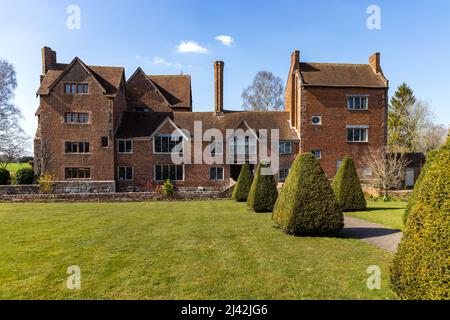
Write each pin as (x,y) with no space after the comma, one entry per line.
(433,137)
(388,169)
(12,146)
(12,138)
(9,113)
(265,93)
(417,121)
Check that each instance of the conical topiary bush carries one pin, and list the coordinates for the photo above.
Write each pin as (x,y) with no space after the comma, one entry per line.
(307,205)
(421,266)
(347,187)
(242,187)
(430,157)
(263,192)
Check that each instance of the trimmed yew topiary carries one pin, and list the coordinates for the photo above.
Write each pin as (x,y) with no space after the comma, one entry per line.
(420,268)
(4,176)
(263,192)
(243,184)
(430,157)
(347,187)
(307,205)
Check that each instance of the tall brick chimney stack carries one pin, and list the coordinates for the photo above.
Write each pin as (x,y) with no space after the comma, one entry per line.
(48,59)
(295,59)
(218,87)
(291,102)
(374,62)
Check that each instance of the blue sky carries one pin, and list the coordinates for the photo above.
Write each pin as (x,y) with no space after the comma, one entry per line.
(414,41)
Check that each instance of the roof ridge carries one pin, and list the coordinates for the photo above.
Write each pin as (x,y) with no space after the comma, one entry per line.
(168,75)
(338,63)
(94,66)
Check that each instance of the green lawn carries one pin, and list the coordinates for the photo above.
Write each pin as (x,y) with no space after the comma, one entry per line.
(13,167)
(178,250)
(385,213)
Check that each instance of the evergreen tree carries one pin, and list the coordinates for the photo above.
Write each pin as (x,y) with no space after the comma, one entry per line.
(410,204)
(24,176)
(307,205)
(400,107)
(263,192)
(347,187)
(4,176)
(242,187)
(421,265)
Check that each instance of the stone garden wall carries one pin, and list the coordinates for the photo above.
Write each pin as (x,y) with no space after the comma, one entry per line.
(63,187)
(113,197)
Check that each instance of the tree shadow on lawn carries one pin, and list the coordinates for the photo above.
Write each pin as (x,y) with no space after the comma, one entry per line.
(364,233)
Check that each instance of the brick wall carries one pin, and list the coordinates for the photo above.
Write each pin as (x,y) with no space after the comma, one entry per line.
(331,136)
(141,93)
(143,161)
(104,116)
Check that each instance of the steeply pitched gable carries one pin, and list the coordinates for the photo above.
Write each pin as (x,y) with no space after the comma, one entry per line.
(176,89)
(142,91)
(107,78)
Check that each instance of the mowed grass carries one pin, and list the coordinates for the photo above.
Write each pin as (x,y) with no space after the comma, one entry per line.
(385,213)
(14,167)
(175,250)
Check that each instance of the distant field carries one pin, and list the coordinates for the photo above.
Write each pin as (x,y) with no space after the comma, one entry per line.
(13,167)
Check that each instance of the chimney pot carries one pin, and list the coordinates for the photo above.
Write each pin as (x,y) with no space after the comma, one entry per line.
(295,57)
(218,87)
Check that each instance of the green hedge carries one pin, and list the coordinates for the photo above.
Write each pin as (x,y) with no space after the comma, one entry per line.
(263,192)
(307,205)
(24,176)
(421,266)
(5,177)
(347,187)
(242,187)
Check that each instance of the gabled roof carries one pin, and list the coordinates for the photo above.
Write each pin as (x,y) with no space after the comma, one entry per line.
(144,124)
(340,75)
(150,83)
(169,120)
(175,88)
(108,78)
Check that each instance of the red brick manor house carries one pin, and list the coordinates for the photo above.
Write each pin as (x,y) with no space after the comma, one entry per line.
(97,128)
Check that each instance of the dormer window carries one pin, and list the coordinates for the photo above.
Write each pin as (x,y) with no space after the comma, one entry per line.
(76,88)
(358,102)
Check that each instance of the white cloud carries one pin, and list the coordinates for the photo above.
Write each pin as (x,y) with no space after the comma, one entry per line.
(162,62)
(190,47)
(226,40)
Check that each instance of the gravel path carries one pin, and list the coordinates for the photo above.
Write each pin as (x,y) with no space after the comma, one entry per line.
(376,234)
